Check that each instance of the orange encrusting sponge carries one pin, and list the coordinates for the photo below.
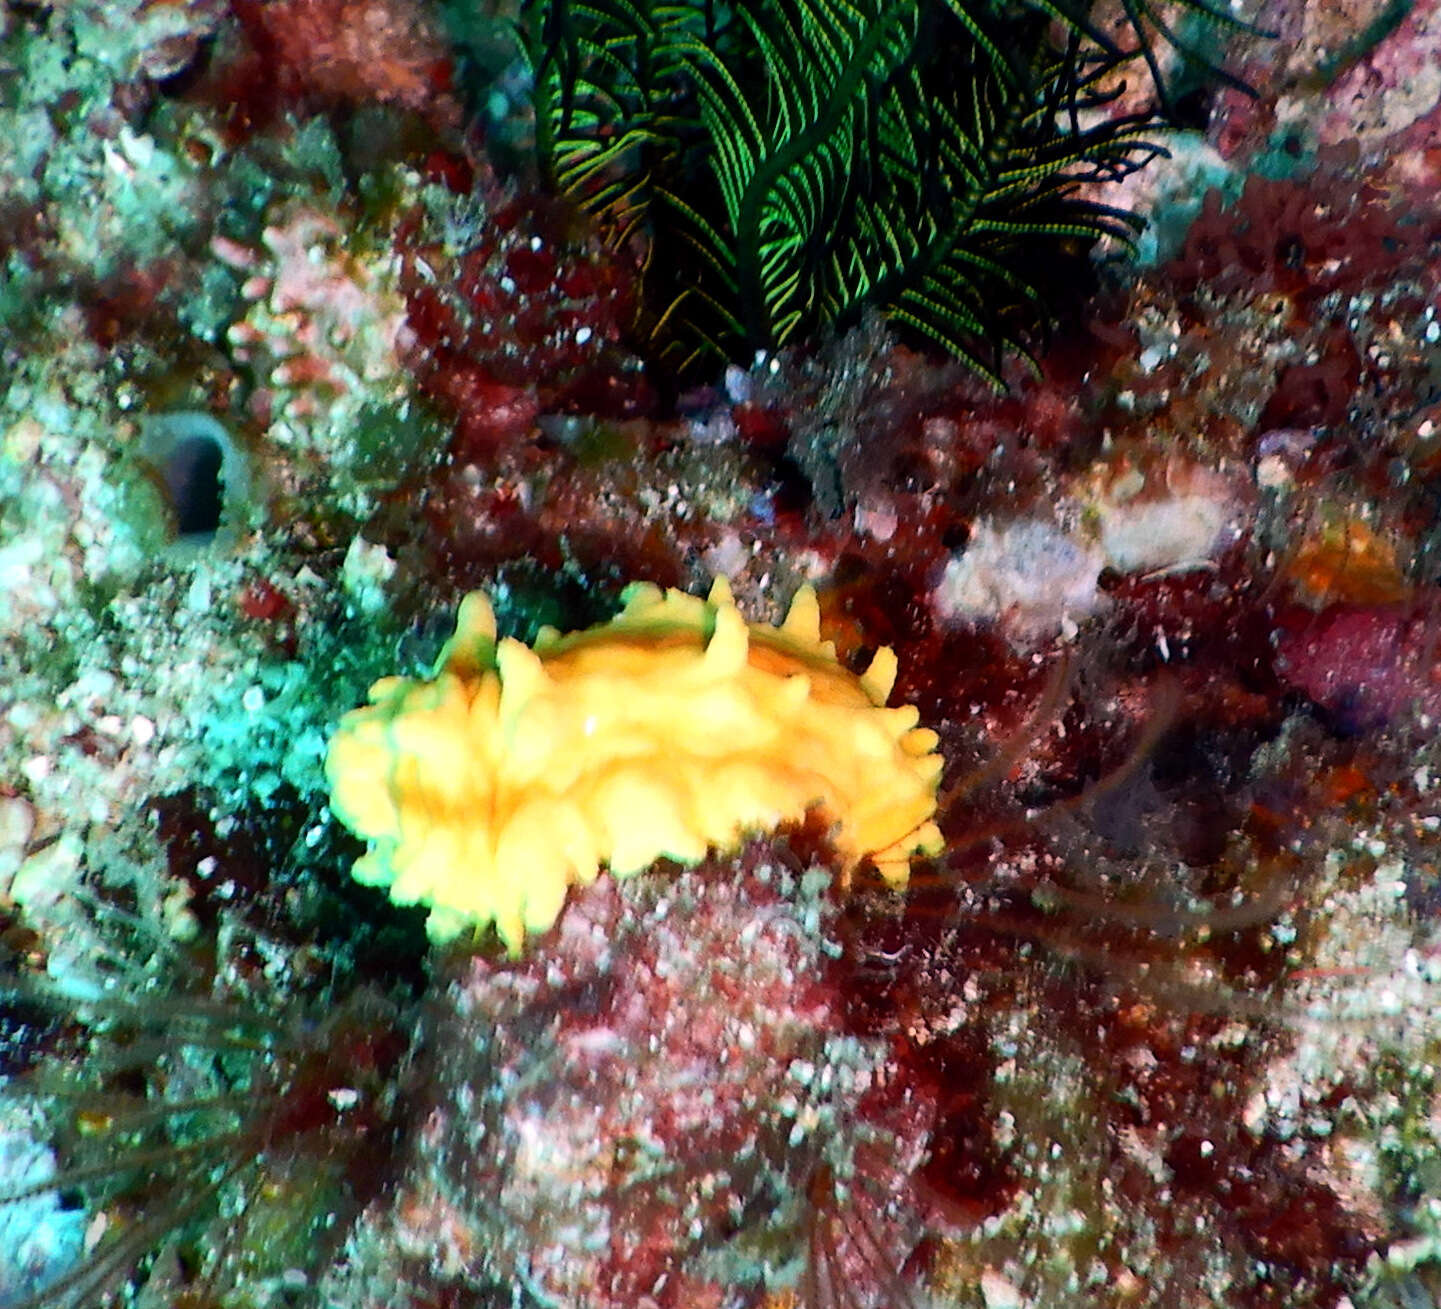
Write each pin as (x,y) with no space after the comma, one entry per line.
(515,772)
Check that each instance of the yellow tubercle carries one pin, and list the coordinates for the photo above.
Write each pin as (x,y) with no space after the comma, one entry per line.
(515,772)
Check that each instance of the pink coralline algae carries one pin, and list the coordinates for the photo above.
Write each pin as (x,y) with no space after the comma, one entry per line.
(1365,667)
(318,317)
(664,1107)
(351,52)
(521,314)
(1394,85)
(1304,237)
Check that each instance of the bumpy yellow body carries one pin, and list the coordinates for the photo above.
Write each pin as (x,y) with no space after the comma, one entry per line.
(515,772)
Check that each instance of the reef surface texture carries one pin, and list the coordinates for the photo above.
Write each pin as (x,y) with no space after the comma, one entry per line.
(1054,921)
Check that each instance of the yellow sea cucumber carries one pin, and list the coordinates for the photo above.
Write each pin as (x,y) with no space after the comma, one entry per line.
(514,772)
